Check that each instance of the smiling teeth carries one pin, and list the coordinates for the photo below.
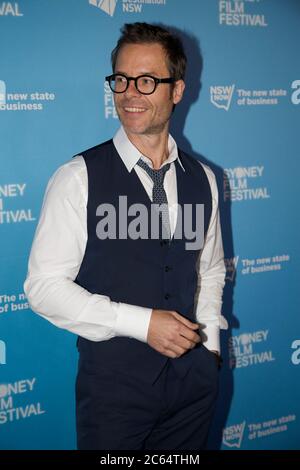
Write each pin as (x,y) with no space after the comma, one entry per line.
(135,110)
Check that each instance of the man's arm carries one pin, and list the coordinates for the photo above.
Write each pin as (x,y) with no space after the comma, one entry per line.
(211,277)
(55,259)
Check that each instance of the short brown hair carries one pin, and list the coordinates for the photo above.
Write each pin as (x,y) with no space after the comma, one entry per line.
(145,33)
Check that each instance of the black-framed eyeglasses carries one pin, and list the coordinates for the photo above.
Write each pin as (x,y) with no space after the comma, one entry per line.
(145,84)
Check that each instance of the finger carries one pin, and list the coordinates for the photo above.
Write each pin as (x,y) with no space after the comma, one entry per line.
(170,353)
(189,334)
(185,321)
(185,343)
(176,350)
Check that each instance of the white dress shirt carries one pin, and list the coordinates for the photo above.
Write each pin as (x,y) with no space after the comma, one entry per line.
(59,245)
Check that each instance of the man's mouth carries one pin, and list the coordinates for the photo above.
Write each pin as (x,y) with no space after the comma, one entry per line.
(134,110)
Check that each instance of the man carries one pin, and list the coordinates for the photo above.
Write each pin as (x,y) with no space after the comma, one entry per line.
(139,305)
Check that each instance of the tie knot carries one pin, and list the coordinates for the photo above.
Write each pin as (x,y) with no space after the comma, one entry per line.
(156,175)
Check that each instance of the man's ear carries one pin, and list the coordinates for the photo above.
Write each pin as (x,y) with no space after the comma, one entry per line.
(178,90)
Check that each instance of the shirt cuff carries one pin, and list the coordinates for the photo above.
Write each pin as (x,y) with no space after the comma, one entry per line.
(211,337)
(132,321)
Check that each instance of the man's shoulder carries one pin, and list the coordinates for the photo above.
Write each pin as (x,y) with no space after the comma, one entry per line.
(91,152)
(74,171)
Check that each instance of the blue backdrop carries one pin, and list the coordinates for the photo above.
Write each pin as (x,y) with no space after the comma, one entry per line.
(240,115)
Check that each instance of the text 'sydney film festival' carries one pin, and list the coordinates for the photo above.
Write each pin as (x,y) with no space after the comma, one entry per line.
(239,115)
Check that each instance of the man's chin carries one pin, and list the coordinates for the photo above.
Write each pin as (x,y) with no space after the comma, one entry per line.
(136,130)
(142,130)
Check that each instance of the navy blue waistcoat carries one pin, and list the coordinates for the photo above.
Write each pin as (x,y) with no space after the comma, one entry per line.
(144,272)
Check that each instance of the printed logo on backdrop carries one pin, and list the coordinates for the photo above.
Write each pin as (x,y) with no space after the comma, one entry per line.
(2,93)
(109,105)
(252,266)
(244,184)
(10,9)
(295,358)
(2,352)
(231,265)
(11,210)
(224,96)
(16,402)
(108,6)
(249,349)
(233,435)
(128,6)
(236,434)
(13,303)
(221,96)
(296,94)
(244,13)
(23,101)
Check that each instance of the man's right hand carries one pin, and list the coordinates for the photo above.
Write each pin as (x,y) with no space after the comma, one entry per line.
(172,334)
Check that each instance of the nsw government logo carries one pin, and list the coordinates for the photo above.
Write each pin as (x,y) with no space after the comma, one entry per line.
(231,267)
(221,96)
(233,435)
(236,434)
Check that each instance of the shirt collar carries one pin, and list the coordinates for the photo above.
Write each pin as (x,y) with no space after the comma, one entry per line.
(130,154)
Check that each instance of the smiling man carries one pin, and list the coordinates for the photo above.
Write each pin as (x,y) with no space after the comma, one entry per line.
(148,113)
(147,310)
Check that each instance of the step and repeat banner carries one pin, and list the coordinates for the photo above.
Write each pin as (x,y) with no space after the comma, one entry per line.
(240,115)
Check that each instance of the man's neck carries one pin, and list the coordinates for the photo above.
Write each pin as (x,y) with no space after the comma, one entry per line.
(153,146)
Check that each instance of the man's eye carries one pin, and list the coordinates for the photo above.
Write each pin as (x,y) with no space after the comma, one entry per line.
(147,80)
(120,79)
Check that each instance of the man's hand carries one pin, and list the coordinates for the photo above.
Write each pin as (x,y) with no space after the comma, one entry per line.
(172,334)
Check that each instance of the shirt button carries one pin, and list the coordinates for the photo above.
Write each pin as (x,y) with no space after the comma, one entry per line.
(167,296)
(167,268)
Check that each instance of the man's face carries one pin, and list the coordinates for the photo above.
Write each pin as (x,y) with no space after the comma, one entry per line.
(145,114)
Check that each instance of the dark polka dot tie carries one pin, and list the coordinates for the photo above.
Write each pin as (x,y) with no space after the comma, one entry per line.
(159,194)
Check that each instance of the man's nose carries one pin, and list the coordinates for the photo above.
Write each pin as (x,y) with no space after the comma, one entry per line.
(132,90)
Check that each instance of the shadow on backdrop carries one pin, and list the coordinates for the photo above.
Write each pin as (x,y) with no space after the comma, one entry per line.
(191,95)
